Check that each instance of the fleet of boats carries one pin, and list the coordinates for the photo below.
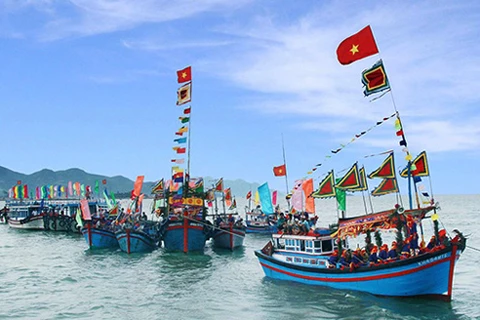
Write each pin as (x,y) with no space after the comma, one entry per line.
(186,216)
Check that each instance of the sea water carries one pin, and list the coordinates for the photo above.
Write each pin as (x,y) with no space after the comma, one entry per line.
(52,275)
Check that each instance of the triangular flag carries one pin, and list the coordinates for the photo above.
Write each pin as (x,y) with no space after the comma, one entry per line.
(385,187)
(326,188)
(419,166)
(386,169)
(350,180)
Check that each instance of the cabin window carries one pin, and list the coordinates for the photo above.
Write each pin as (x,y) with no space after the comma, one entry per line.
(327,246)
(298,260)
(302,245)
(313,261)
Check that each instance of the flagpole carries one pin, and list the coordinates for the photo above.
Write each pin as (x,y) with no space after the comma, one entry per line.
(286,174)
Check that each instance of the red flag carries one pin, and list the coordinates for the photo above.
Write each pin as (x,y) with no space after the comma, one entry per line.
(280,171)
(187,110)
(249,195)
(184,75)
(219,185)
(104,181)
(19,182)
(358,46)
(181,150)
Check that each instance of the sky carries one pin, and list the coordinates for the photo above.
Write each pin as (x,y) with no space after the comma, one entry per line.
(92,84)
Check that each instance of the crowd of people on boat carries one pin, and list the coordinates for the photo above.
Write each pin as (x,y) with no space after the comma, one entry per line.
(372,255)
(299,223)
(229,221)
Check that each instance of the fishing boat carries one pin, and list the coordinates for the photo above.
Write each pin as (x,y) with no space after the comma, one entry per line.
(99,237)
(410,267)
(261,219)
(228,233)
(143,237)
(187,228)
(26,215)
(135,233)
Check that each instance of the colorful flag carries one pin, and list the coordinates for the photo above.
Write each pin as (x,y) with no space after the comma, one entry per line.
(386,169)
(257,198)
(350,180)
(265,199)
(181,140)
(274,197)
(356,47)
(219,185)
(184,119)
(78,218)
(85,209)
(184,75)
(375,79)
(249,195)
(363,181)
(181,150)
(228,194)
(326,187)
(280,171)
(298,197)
(137,187)
(184,94)
(158,188)
(198,186)
(234,205)
(97,188)
(385,187)
(418,168)
(307,187)
(181,131)
(187,110)
(179,161)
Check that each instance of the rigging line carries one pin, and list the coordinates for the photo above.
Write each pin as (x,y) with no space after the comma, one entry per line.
(478,250)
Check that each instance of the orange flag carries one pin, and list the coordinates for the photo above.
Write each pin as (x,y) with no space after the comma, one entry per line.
(137,187)
(307,187)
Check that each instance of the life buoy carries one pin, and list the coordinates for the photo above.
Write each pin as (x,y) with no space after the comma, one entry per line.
(400,210)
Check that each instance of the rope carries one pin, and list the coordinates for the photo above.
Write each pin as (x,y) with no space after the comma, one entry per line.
(478,250)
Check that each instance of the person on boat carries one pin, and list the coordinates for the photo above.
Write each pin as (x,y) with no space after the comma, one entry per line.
(392,253)
(144,216)
(231,219)
(333,259)
(432,243)
(218,221)
(405,253)
(281,222)
(357,259)
(290,223)
(383,254)
(345,259)
(304,225)
(373,257)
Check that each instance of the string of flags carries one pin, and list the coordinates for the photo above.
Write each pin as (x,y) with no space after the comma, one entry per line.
(356,137)
(184,96)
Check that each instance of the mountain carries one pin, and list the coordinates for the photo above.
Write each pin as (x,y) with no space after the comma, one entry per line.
(117,184)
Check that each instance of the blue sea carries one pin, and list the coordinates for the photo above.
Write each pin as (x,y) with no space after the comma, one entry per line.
(48,275)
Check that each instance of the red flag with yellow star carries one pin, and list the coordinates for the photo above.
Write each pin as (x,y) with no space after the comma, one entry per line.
(358,46)
(184,75)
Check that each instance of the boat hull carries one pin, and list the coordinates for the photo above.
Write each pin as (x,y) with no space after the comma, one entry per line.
(184,235)
(426,275)
(131,241)
(60,223)
(254,227)
(229,238)
(29,223)
(99,238)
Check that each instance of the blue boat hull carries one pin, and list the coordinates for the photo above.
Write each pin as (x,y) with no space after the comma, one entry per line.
(425,275)
(131,241)
(230,238)
(99,238)
(184,235)
(251,228)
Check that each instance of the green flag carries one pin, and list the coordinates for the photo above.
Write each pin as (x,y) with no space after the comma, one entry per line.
(96,187)
(113,198)
(78,217)
(341,198)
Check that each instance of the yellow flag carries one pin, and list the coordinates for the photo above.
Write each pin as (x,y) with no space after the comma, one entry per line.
(257,198)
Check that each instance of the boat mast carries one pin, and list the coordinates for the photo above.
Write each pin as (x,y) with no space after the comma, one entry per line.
(286,172)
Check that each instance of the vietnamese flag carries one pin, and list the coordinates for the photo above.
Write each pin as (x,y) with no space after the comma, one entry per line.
(184,75)
(358,46)
(280,171)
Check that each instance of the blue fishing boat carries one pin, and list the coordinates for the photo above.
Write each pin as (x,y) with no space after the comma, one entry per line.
(145,236)
(99,237)
(308,259)
(186,233)
(260,223)
(229,237)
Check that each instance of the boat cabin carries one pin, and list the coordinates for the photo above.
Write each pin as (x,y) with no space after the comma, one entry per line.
(322,245)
